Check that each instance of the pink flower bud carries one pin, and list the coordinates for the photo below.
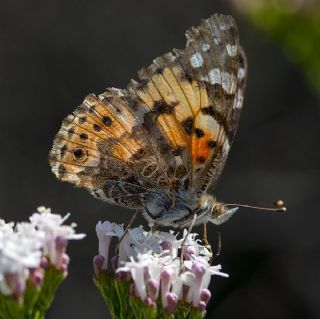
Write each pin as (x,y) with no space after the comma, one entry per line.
(165,245)
(188,251)
(44,262)
(149,302)
(123,275)
(36,277)
(205,295)
(98,261)
(115,262)
(65,259)
(198,269)
(172,300)
(153,288)
(202,305)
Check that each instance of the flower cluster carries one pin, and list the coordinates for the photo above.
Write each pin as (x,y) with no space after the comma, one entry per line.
(160,268)
(27,249)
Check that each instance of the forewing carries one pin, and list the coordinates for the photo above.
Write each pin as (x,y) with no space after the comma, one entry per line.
(218,63)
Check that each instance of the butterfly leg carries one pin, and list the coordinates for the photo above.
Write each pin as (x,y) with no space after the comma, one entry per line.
(205,238)
(154,227)
(133,217)
(207,244)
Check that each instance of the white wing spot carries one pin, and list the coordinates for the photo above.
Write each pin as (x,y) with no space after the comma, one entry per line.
(232,49)
(215,76)
(228,82)
(196,60)
(224,26)
(205,47)
(241,73)
(204,78)
(238,102)
(216,40)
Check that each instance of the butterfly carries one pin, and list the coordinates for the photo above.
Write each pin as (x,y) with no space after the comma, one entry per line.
(161,144)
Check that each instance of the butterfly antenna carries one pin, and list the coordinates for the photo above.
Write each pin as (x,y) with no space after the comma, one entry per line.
(277,206)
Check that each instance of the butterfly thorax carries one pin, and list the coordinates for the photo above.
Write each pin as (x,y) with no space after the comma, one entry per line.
(180,210)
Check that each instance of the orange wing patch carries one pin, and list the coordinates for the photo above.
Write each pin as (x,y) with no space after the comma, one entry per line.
(205,138)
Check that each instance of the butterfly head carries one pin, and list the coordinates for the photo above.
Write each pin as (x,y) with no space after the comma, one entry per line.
(218,212)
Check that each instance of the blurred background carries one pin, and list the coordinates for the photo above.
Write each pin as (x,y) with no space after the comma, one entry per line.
(53,53)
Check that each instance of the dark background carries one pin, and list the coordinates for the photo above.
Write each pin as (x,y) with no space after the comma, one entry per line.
(53,53)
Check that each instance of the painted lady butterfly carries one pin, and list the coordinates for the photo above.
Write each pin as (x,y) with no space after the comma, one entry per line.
(161,144)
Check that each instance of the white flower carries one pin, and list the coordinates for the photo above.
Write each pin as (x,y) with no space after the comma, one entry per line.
(169,242)
(137,241)
(56,234)
(169,275)
(137,270)
(200,274)
(19,251)
(24,247)
(153,261)
(105,231)
(194,245)
(5,228)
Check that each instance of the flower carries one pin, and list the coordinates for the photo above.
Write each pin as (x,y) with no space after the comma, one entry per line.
(5,228)
(56,235)
(151,261)
(105,231)
(20,250)
(24,249)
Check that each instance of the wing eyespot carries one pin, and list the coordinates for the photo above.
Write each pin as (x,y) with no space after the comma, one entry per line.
(79,154)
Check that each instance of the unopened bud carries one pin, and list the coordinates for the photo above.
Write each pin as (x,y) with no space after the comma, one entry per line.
(98,261)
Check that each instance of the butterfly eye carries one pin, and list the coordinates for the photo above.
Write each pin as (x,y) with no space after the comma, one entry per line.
(216,210)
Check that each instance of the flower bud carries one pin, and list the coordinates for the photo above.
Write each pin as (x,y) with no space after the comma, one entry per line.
(122,275)
(153,288)
(205,295)
(149,302)
(44,262)
(165,245)
(202,305)
(36,277)
(188,251)
(115,262)
(98,261)
(172,300)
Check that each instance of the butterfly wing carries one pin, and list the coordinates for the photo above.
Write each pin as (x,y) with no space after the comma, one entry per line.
(104,147)
(219,65)
(196,95)
(170,131)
